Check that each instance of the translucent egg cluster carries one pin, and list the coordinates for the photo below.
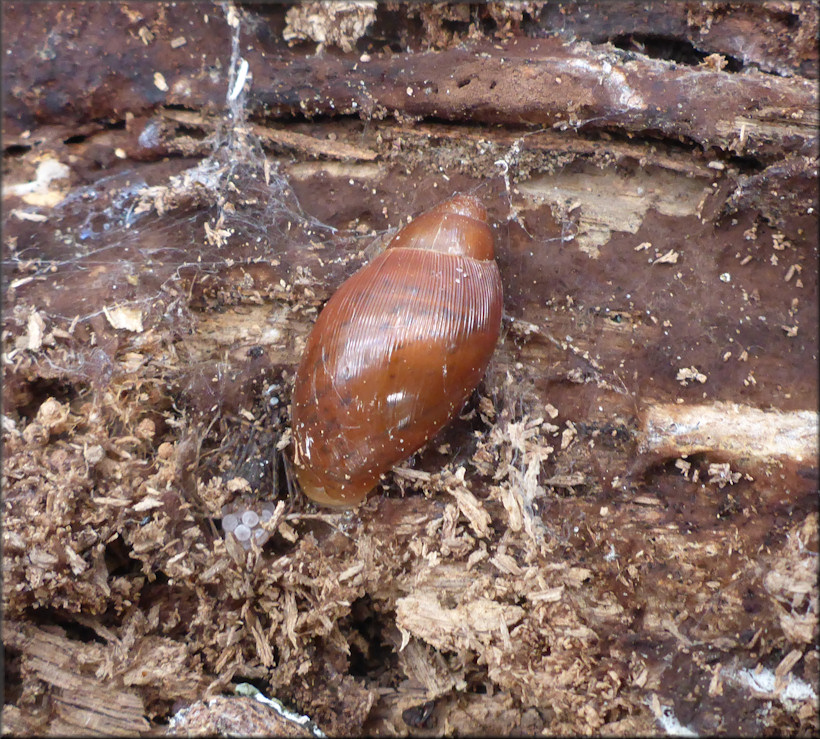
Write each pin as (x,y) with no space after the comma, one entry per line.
(244,523)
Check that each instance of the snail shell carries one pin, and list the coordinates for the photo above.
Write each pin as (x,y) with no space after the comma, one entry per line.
(396,352)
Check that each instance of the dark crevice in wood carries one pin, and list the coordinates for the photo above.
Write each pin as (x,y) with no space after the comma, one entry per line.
(51,617)
(16,150)
(669,48)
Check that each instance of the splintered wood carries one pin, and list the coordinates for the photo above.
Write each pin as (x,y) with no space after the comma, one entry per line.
(619,532)
(731,429)
(83,702)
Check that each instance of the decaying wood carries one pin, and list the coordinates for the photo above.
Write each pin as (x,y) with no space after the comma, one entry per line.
(618,535)
(522,81)
(80,701)
(761,34)
(730,429)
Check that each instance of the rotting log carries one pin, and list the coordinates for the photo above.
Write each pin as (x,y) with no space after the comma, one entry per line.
(519,82)
(79,701)
(622,527)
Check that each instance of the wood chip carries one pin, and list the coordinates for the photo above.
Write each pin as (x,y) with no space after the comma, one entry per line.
(36,330)
(506,564)
(474,624)
(786,664)
(553,595)
(312,145)
(686,374)
(671,257)
(123,317)
(472,509)
(146,504)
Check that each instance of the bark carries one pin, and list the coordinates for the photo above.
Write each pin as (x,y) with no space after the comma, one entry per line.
(619,531)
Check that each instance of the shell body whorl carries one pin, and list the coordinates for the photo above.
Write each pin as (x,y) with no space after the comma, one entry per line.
(396,352)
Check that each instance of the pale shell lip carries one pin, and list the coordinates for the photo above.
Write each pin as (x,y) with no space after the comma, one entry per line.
(318,493)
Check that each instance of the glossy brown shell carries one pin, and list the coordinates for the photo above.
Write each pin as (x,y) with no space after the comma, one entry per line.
(396,352)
